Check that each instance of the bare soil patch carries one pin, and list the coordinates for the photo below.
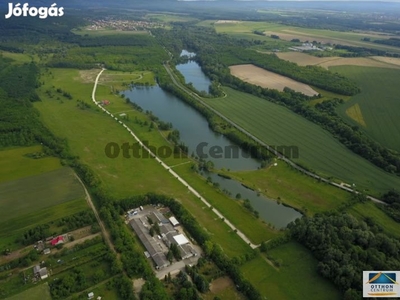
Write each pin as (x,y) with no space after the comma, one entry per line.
(267,79)
(220,284)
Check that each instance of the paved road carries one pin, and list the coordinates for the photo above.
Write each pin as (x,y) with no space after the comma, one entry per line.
(271,149)
(165,166)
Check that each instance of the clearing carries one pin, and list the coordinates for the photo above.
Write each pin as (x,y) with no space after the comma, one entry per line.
(258,76)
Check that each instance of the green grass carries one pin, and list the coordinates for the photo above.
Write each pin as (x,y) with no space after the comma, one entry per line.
(14,228)
(296,278)
(31,194)
(369,209)
(90,130)
(19,58)
(39,292)
(293,188)
(14,164)
(378,102)
(318,150)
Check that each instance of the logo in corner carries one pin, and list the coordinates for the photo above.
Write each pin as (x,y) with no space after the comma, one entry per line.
(381,284)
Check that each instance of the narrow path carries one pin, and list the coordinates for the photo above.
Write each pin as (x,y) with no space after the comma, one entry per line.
(177,165)
(271,149)
(106,235)
(165,166)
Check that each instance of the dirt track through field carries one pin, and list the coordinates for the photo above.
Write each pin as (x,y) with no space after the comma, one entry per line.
(267,79)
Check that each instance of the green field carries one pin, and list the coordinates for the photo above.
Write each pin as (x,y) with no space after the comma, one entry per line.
(318,150)
(291,32)
(296,278)
(168,18)
(369,209)
(14,164)
(89,132)
(31,194)
(12,229)
(307,194)
(39,292)
(378,101)
(19,58)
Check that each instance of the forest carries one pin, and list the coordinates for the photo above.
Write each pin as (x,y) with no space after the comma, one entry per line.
(19,120)
(345,246)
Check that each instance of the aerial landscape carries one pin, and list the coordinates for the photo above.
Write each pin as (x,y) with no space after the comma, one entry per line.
(172,149)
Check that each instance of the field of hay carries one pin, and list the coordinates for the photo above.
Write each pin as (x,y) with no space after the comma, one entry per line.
(267,79)
(303,59)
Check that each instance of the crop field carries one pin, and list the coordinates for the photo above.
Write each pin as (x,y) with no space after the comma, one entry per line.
(276,182)
(389,60)
(12,229)
(14,163)
(19,58)
(30,194)
(317,149)
(378,102)
(258,76)
(369,209)
(91,131)
(303,34)
(303,59)
(39,292)
(296,278)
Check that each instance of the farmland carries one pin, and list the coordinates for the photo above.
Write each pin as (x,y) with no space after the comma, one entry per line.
(287,33)
(378,102)
(38,192)
(123,177)
(258,76)
(317,149)
(295,278)
(303,59)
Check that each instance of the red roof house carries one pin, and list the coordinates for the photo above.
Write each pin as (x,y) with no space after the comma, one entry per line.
(57,240)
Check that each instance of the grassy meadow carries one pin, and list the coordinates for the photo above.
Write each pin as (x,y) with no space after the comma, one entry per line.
(14,164)
(369,209)
(318,150)
(39,292)
(296,277)
(91,130)
(378,103)
(292,187)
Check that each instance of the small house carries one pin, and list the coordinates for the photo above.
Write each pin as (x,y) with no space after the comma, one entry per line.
(56,241)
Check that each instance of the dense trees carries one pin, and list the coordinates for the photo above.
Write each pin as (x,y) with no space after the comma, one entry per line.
(392,198)
(345,246)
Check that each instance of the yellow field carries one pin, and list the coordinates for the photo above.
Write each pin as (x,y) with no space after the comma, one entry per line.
(267,79)
(354,112)
(303,59)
